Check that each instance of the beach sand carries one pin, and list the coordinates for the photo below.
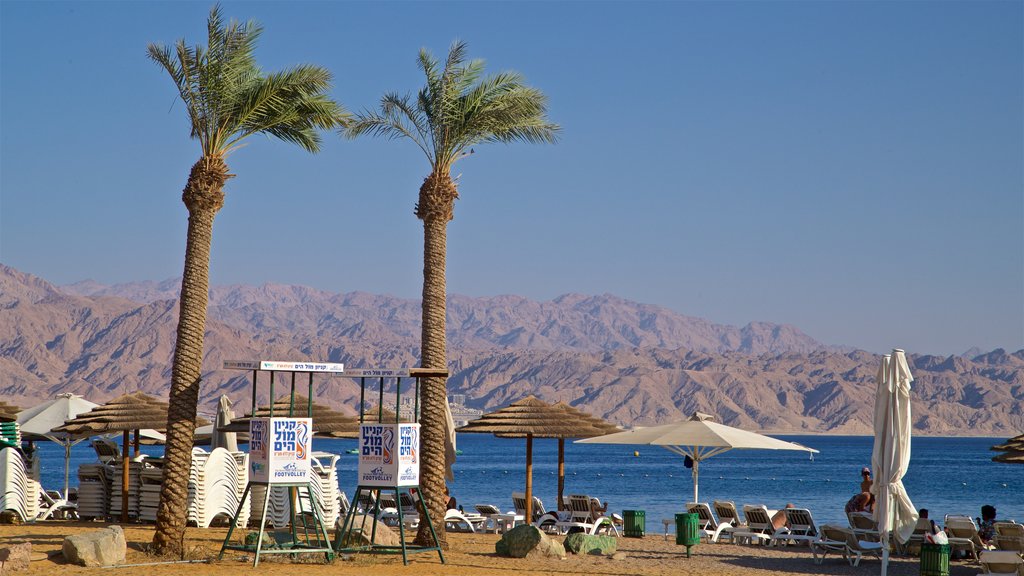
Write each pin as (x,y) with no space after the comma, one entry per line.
(471,554)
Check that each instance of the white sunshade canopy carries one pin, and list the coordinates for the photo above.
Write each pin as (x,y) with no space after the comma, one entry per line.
(698,438)
(890,458)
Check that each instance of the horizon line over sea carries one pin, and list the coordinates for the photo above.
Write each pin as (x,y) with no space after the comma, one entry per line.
(952,475)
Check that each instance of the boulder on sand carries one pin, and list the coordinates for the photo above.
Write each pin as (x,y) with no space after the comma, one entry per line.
(580,543)
(362,528)
(104,547)
(526,541)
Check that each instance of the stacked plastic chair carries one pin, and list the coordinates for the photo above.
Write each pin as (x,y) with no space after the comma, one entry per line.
(18,492)
(10,434)
(150,480)
(134,489)
(328,496)
(94,482)
(216,483)
(325,492)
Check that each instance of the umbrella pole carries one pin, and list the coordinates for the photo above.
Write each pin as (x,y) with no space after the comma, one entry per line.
(124,477)
(696,463)
(135,445)
(561,471)
(67,467)
(528,517)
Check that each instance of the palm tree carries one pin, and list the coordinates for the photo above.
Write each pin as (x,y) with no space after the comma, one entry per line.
(228,98)
(456,110)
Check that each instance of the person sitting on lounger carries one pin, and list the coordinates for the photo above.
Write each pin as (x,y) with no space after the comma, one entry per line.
(779,519)
(987,525)
(862,502)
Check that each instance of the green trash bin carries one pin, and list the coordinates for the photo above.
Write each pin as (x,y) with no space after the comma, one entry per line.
(687,531)
(934,559)
(633,522)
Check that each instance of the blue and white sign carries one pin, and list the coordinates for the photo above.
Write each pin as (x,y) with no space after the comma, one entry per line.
(389,455)
(279,449)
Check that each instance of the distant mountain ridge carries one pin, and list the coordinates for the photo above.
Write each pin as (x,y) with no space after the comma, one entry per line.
(627,362)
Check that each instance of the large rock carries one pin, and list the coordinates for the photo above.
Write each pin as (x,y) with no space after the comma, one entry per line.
(104,547)
(580,543)
(15,557)
(362,528)
(528,541)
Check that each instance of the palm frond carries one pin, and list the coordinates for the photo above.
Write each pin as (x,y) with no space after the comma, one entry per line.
(229,98)
(458,107)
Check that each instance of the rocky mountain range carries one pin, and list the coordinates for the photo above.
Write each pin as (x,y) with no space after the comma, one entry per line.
(628,362)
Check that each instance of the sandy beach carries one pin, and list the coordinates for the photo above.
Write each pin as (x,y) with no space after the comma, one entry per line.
(471,554)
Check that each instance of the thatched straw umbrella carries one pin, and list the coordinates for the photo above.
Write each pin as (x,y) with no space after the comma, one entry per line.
(529,418)
(8,412)
(1013,451)
(326,421)
(134,411)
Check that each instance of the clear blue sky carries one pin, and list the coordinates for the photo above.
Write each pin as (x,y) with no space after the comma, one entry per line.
(851,168)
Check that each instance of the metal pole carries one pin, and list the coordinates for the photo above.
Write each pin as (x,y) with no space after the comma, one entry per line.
(67,465)
(309,405)
(272,393)
(380,402)
(252,412)
(362,399)
(291,399)
(398,400)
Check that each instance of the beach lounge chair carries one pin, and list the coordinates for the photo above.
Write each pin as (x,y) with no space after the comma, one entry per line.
(583,517)
(963,535)
(759,528)
(727,513)
(917,537)
(799,527)
(864,526)
(106,450)
(1001,563)
(1010,536)
(53,505)
(456,521)
(843,541)
(710,527)
(519,503)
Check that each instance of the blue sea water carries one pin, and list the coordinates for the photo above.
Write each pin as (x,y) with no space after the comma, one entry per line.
(946,475)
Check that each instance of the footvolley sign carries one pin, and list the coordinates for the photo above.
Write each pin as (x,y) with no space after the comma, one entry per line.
(279,450)
(389,455)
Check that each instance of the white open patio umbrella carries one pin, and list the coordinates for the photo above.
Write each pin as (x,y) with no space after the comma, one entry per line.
(38,422)
(890,458)
(698,438)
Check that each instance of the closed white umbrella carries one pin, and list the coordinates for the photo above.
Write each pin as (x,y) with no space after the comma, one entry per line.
(220,439)
(698,438)
(38,422)
(890,458)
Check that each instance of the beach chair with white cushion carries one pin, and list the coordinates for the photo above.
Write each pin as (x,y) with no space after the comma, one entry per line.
(759,528)
(1001,563)
(963,535)
(799,528)
(710,527)
(1009,536)
(843,541)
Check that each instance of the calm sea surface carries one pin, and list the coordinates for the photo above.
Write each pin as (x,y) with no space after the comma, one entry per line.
(947,475)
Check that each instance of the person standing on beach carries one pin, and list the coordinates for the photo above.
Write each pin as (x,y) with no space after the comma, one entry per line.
(865,483)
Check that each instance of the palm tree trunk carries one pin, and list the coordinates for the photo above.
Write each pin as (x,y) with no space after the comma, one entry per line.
(203,196)
(432,390)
